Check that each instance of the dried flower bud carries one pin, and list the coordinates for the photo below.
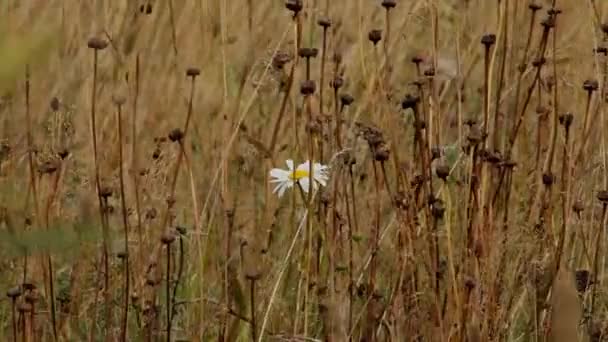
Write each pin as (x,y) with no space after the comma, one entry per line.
(168,237)
(295,6)
(590,85)
(337,82)
(548,179)
(176,135)
(410,101)
(566,119)
(308,87)
(193,72)
(488,40)
(602,196)
(389,4)
(54,104)
(105,191)
(442,171)
(308,52)
(324,22)
(97,43)
(346,99)
(534,6)
(14,292)
(375,36)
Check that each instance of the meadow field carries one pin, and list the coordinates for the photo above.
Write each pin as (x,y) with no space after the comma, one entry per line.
(304,170)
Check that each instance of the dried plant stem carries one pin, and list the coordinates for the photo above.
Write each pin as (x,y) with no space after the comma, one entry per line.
(125,317)
(168,293)
(252,304)
(135,163)
(106,268)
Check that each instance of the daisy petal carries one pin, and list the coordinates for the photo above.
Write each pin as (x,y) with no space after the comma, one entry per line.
(305,166)
(305,184)
(279,174)
(289,163)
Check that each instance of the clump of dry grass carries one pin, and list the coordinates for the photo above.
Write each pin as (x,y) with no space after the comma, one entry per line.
(467,194)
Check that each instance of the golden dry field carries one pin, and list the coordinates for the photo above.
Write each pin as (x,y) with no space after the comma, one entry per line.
(304,170)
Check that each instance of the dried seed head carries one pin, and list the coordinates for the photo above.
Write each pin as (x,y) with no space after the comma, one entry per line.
(105,191)
(193,72)
(374,36)
(337,82)
(442,171)
(308,52)
(119,100)
(324,22)
(314,127)
(295,6)
(469,283)
(14,292)
(566,119)
(538,62)
(168,237)
(63,153)
(602,196)
(389,4)
(382,152)
(488,40)
(151,214)
(578,207)
(280,59)
(308,87)
(146,9)
(28,286)
(417,60)
(122,254)
(181,230)
(176,135)
(32,297)
(337,58)
(430,72)
(54,104)
(554,11)
(48,167)
(435,153)
(583,280)
(419,124)
(437,209)
(534,6)
(548,23)
(474,137)
(346,99)
(470,122)
(548,179)
(601,50)
(590,85)
(97,43)
(150,279)
(410,101)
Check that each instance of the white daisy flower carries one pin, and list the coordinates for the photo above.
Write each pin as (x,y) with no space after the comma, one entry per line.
(285,179)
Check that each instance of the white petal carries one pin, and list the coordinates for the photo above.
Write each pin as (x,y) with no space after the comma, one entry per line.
(283,188)
(289,163)
(305,184)
(321,180)
(279,174)
(305,166)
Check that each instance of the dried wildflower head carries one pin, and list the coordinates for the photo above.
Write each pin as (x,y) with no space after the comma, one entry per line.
(97,43)
(308,87)
(374,36)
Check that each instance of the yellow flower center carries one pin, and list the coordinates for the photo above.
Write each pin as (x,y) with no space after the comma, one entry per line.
(299,174)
